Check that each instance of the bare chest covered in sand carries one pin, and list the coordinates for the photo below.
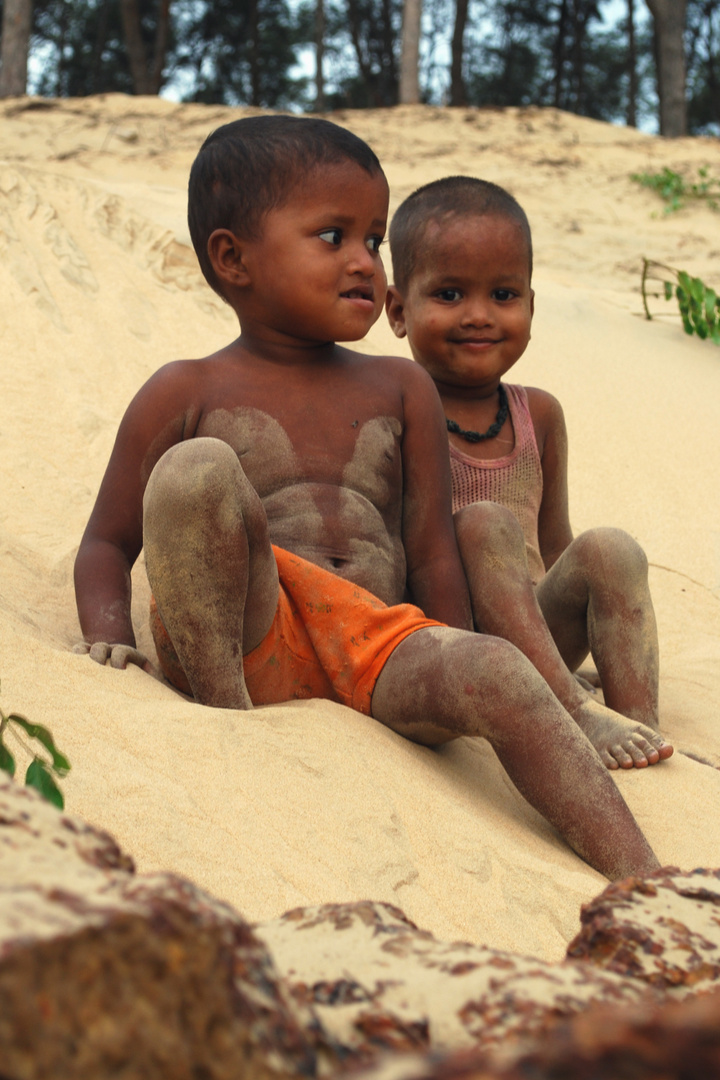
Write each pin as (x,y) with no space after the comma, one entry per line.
(332,493)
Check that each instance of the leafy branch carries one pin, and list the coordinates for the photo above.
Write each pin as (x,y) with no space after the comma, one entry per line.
(699,304)
(41,773)
(676,191)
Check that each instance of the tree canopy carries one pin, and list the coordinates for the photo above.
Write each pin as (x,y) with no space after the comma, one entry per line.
(626,61)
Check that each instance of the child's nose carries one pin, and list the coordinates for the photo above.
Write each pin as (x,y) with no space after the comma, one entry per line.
(476,312)
(361,260)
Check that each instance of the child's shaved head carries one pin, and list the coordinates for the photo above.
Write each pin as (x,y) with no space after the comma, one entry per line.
(453,196)
(251,166)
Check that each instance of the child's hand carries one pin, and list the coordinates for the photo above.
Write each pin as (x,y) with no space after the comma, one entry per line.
(118,655)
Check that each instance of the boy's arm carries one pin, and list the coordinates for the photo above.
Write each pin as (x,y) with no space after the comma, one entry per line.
(554,531)
(436,579)
(112,541)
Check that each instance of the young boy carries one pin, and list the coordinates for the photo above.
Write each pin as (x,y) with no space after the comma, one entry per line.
(462,264)
(286,490)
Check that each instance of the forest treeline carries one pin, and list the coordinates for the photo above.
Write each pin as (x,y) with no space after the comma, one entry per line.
(628,61)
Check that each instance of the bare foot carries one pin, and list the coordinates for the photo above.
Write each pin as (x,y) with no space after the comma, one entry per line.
(621,743)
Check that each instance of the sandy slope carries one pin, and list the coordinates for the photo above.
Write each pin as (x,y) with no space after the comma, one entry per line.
(310,802)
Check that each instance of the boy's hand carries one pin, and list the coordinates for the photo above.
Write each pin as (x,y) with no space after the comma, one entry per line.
(118,655)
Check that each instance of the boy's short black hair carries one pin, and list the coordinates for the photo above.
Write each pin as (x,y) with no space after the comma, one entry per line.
(251,166)
(453,196)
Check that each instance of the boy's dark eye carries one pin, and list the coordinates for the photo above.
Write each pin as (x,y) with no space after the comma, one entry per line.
(503,294)
(449,295)
(331,236)
(373,244)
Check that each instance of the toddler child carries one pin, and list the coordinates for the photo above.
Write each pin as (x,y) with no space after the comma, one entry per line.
(462,264)
(292,496)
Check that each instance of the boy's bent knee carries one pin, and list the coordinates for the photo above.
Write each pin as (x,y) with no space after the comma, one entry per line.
(198,475)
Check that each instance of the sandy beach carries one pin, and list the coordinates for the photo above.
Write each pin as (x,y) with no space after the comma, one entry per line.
(310,802)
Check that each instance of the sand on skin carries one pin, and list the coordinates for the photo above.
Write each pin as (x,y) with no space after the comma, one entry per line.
(310,802)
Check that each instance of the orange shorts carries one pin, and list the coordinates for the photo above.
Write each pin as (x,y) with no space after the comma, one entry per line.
(329,639)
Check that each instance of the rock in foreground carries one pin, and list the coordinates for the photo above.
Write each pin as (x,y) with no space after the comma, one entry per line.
(105,973)
(663,931)
(376,981)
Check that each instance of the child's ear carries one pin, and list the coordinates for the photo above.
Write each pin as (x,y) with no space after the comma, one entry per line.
(225,251)
(532,303)
(395,310)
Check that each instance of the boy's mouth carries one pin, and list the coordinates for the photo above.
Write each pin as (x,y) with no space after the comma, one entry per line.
(360,292)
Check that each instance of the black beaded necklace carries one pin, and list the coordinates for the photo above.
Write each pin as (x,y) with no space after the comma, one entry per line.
(493,430)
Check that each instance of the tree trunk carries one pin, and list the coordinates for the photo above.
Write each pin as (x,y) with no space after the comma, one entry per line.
(631,117)
(162,32)
(319,55)
(410,53)
(254,35)
(146,76)
(669,22)
(458,90)
(355,36)
(389,88)
(560,54)
(14,46)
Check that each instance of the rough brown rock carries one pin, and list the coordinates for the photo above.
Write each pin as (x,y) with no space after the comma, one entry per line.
(104,973)
(375,981)
(650,1041)
(663,931)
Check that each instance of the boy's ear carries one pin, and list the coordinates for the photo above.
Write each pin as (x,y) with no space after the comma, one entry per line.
(225,251)
(395,310)
(532,303)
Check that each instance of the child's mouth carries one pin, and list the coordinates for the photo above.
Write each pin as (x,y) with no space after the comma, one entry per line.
(360,292)
(477,342)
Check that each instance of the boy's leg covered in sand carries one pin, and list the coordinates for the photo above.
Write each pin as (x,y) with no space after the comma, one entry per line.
(595,598)
(214,578)
(210,565)
(462,683)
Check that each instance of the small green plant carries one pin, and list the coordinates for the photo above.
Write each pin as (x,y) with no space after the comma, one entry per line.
(699,304)
(41,773)
(675,190)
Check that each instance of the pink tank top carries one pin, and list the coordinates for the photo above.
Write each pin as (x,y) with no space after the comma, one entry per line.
(515,481)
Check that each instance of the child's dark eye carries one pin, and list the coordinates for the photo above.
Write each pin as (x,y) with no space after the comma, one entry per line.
(373,244)
(503,295)
(331,236)
(449,296)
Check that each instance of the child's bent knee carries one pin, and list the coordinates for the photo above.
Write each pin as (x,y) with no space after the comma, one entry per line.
(616,549)
(198,474)
(488,523)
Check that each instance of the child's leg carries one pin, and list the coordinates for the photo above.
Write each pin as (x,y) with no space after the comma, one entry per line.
(596,597)
(468,684)
(210,565)
(504,604)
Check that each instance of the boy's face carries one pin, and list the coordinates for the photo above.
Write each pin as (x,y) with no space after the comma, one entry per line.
(468,306)
(315,274)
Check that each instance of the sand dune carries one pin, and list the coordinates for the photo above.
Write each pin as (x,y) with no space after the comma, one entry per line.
(309,802)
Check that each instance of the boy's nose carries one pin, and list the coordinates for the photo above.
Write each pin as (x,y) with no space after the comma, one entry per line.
(361,260)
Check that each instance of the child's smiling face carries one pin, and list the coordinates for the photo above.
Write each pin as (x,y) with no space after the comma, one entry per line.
(315,271)
(468,306)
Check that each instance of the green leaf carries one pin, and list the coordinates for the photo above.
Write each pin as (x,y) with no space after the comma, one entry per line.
(60,763)
(710,304)
(667,285)
(7,761)
(697,290)
(38,777)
